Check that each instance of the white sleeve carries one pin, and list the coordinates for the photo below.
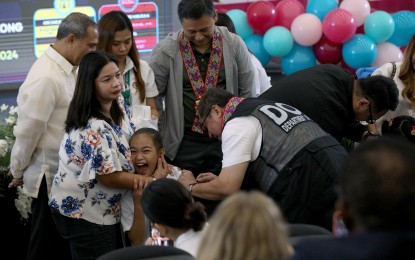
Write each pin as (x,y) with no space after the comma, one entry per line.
(127,211)
(241,140)
(262,82)
(385,70)
(148,77)
(32,123)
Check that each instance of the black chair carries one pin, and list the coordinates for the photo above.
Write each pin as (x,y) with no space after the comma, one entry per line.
(148,253)
(296,230)
(300,232)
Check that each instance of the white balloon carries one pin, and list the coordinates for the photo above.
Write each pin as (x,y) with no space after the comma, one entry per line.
(387,52)
(360,9)
(306,29)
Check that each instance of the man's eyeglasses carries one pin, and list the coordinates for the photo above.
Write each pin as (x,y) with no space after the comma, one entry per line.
(371,120)
(204,120)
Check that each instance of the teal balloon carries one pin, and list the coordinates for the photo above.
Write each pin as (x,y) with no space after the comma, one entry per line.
(360,51)
(321,7)
(278,41)
(254,44)
(240,21)
(379,26)
(404,28)
(299,58)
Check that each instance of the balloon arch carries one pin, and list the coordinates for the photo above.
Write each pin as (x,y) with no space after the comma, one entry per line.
(350,33)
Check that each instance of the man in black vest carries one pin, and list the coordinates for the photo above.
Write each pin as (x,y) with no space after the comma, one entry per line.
(274,148)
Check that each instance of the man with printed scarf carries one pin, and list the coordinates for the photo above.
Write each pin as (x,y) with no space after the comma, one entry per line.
(271,147)
(198,57)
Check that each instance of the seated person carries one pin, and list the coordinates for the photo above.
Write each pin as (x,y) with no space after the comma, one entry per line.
(376,205)
(246,225)
(274,148)
(172,210)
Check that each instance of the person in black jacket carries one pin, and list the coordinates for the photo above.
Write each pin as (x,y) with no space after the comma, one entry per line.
(336,100)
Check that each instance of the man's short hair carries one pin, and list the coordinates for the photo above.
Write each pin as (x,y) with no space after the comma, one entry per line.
(213,96)
(76,24)
(381,90)
(195,9)
(378,184)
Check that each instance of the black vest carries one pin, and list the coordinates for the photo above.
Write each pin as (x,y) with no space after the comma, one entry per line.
(285,131)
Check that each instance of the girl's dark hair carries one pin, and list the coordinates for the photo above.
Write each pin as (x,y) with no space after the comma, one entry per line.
(84,104)
(167,202)
(108,25)
(152,133)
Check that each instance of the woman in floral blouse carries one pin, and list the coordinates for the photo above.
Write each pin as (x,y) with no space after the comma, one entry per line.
(94,160)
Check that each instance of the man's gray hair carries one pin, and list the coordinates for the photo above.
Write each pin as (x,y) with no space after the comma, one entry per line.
(76,24)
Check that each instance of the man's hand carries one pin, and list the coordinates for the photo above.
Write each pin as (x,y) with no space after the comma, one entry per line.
(16,182)
(205,177)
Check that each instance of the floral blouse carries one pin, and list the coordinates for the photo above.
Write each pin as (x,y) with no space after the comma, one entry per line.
(98,149)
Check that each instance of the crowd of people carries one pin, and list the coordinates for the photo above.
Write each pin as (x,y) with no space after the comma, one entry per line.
(230,162)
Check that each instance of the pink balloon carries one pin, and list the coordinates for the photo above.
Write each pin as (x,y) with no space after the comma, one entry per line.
(261,16)
(360,9)
(306,29)
(387,52)
(287,11)
(327,51)
(339,26)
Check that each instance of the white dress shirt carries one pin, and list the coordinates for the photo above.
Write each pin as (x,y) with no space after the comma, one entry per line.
(43,102)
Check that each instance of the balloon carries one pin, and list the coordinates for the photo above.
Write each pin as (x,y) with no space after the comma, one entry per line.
(327,51)
(299,58)
(320,8)
(278,41)
(261,16)
(239,19)
(287,11)
(306,29)
(379,26)
(347,67)
(232,1)
(254,44)
(387,52)
(360,9)
(404,28)
(359,52)
(360,29)
(339,26)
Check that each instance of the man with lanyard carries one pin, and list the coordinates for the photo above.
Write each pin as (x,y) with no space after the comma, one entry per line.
(198,57)
(271,147)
